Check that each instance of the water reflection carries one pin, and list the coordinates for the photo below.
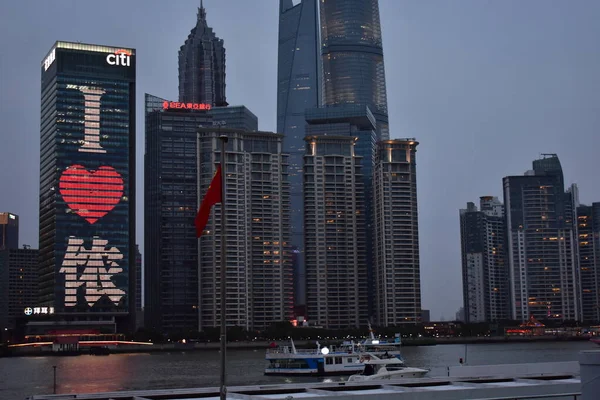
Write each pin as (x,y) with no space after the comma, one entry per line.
(22,377)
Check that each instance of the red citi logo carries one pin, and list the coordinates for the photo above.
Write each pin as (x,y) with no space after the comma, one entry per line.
(121,57)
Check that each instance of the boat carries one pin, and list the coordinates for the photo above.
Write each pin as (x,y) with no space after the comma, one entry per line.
(377,368)
(344,359)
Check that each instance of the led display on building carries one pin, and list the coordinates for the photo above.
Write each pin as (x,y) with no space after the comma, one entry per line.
(87,178)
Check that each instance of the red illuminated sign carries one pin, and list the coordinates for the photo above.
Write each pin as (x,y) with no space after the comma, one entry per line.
(167,105)
(91,195)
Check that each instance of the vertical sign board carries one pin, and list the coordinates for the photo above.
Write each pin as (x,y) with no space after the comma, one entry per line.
(93,181)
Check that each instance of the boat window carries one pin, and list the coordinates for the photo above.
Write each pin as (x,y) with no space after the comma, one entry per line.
(329,360)
(350,359)
(291,363)
(338,360)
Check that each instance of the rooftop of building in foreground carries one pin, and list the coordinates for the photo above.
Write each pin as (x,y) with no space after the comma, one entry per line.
(549,386)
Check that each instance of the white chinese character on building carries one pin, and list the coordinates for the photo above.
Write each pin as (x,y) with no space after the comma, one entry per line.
(36,310)
(100,264)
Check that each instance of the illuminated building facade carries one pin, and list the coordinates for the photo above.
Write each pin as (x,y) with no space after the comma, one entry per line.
(352,57)
(396,234)
(259,271)
(170,206)
(334,229)
(9,231)
(298,75)
(87,182)
(540,237)
(356,121)
(484,266)
(202,65)
(588,237)
(18,283)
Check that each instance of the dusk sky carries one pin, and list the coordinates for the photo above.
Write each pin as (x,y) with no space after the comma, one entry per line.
(484,86)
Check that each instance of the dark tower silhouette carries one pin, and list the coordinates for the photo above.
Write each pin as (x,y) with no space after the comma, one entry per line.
(202,65)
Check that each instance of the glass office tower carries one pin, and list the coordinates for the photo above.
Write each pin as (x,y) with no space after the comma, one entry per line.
(352,56)
(298,76)
(171,203)
(9,231)
(87,180)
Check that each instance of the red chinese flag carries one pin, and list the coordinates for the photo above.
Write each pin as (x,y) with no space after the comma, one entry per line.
(212,197)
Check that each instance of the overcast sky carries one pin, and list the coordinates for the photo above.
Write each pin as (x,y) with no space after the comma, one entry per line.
(484,86)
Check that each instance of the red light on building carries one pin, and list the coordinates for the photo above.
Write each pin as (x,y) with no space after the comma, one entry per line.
(169,105)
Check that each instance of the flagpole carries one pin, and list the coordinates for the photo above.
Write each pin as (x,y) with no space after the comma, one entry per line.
(223,395)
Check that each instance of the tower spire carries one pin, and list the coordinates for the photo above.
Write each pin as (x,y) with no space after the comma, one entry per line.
(202,11)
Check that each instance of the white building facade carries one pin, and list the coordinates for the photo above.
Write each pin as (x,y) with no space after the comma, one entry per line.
(257,201)
(397,270)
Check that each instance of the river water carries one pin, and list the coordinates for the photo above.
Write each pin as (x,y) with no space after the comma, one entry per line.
(26,376)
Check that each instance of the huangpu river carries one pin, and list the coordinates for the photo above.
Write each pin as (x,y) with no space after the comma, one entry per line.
(21,377)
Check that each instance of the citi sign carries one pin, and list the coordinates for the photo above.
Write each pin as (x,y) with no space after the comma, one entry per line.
(120,57)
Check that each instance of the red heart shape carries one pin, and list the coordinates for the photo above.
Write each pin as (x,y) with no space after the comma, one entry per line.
(91,195)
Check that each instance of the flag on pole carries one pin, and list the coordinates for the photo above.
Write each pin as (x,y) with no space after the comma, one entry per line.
(212,197)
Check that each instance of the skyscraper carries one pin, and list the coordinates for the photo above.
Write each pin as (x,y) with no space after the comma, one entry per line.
(541,257)
(352,57)
(298,75)
(396,234)
(484,266)
(259,272)
(202,65)
(87,182)
(9,231)
(334,229)
(588,237)
(354,121)
(18,283)
(170,206)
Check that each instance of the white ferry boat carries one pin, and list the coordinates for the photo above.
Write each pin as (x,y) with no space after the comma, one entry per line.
(345,359)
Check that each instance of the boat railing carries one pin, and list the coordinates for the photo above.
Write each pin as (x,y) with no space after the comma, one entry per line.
(342,349)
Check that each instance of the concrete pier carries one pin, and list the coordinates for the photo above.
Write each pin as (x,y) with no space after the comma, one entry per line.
(590,374)
(547,386)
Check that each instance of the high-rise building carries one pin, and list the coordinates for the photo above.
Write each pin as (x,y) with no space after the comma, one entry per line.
(396,234)
(352,57)
(356,121)
(334,229)
(298,75)
(170,206)
(259,272)
(139,288)
(9,231)
(18,283)
(484,266)
(87,182)
(138,279)
(540,240)
(588,238)
(238,117)
(202,65)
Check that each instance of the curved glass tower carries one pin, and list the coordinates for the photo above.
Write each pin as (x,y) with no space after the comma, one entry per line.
(297,90)
(352,55)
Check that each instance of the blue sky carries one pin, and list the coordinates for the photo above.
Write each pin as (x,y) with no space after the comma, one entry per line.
(484,86)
